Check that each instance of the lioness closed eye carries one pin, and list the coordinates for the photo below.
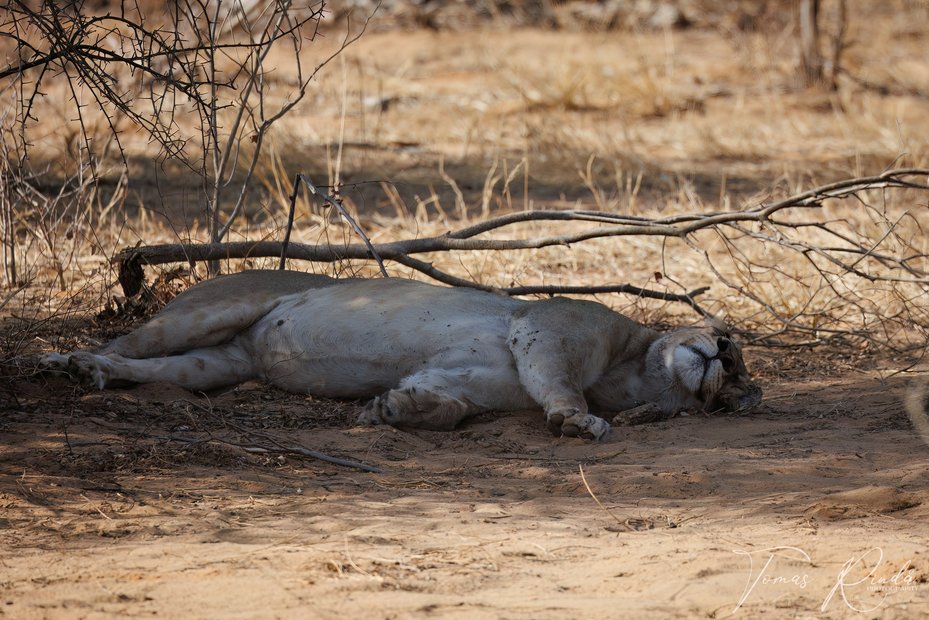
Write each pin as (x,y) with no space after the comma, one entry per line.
(429,355)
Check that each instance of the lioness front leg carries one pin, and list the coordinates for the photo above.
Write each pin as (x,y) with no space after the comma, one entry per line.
(562,399)
(548,382)
(552,365)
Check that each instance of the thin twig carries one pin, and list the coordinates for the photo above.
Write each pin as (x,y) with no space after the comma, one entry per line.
(372,252)
(300,450)
(597,499)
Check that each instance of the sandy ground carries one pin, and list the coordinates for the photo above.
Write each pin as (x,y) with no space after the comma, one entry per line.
(812,506)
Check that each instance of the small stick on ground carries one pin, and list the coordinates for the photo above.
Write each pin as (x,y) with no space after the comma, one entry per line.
(312,454)
(299,450)
(599,503)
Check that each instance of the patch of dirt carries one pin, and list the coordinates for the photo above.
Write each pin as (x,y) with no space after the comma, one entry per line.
(148,501)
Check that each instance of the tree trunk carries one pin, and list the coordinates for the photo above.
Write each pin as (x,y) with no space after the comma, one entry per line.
(811,60)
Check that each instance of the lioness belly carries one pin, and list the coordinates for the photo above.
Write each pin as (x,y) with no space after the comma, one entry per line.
(361,338)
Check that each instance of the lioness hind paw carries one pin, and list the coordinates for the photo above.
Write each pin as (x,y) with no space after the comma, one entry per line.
(55,362)
(81,366)
(375,413)
(365,418)
(368,417)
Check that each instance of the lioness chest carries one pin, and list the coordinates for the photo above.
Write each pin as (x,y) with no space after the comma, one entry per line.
(360,338)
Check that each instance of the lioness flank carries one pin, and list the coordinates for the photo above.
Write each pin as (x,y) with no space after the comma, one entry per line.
(429,356)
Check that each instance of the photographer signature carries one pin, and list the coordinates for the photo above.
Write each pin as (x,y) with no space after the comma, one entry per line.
(859,573)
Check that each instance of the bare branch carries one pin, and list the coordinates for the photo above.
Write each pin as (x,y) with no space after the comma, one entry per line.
(865,259)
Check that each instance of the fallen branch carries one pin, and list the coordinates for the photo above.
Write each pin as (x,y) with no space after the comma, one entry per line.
(312,454)
(766,228)
(278,448)
(130,263)
(298,450)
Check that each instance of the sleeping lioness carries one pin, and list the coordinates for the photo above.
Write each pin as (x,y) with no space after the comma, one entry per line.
(429,355)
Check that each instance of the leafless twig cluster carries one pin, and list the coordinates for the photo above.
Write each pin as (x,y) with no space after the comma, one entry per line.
(195,79)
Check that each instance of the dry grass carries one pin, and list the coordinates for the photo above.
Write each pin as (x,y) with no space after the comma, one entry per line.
(429,131)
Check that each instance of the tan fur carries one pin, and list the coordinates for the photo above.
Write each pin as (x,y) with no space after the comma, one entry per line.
(429,355)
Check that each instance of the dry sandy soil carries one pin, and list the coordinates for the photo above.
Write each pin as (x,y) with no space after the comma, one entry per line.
(812,506)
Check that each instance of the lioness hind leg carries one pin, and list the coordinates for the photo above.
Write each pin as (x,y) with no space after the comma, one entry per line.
(194,319)
(417,408)
(199,369)
(83,366)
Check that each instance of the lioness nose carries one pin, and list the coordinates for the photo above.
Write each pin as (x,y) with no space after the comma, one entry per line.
(725,355)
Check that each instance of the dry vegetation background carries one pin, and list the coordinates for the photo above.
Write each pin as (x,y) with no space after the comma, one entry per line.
(421,130)
(439,116)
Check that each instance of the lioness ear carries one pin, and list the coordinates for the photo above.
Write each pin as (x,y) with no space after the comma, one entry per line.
(718,324)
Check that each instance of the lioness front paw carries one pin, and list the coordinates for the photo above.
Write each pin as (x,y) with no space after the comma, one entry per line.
(81,366)
(574,423)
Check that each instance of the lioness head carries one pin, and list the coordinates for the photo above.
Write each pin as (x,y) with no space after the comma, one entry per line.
(705,369)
